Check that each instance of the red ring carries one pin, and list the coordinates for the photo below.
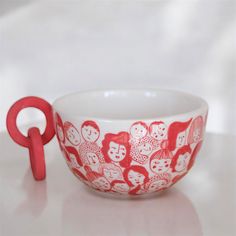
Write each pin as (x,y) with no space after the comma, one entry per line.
(26,102)
(36,152)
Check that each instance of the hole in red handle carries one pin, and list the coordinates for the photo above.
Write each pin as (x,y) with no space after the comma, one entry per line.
(35,141)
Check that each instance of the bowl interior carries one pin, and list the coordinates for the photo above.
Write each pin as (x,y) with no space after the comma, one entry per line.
(128,104)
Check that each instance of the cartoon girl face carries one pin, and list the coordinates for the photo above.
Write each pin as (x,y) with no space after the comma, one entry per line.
(182,162)
(159,131)
(116,151)
(180,140)
(136,178)
(89,133)
(92,158)
(111,174)
(145,149)
(102,183)
(160,165)
(60,133)
(138,131)
(73,135)
(156,185)
(121,187)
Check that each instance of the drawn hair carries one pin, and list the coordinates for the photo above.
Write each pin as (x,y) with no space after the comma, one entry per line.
(174,129)
(181,151)
(135,168)
(163,153)
(121,138)
(163,176)
(59,122)
(67,126)
(197,123)
(72,150)
(139,123)
(110,166)
(154,123)
(92,124)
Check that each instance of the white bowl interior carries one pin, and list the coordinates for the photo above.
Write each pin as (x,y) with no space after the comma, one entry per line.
(128,104)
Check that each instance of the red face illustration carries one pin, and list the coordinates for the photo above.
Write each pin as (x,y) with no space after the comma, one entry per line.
(101,183)
(92,158)
(60,133)
(157,185)
(116,152)
(73,135)
(136,178)
(145,149)
(111,174)
(89,133)
(182,162)
(181,139)
(160,165)
(158,131)
(138,130)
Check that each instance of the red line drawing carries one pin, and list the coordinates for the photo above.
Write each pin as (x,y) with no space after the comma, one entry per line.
(60,130)
(140,151)
(158,182)
(111,171)
(138,130)
(161,159)
(136,176)
(98,180)
(196,130)
(158,130)
(119,186)
(181,159)
(177,134)
(90,131)
(116,148)
(90,154)
(72,134)
(73,156)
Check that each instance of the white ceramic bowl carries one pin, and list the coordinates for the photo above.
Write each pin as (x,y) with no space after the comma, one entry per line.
(130,142)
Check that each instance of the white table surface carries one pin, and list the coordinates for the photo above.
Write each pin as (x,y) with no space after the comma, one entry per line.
(204,203)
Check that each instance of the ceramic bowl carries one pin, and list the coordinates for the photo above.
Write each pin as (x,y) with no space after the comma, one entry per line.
(130,142)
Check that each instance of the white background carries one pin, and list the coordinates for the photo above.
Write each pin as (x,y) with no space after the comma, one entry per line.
(50,48)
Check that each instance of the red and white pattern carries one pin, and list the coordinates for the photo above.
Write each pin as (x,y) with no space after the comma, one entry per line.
(144,158)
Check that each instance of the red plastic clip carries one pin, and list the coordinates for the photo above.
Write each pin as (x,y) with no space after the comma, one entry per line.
(34,141)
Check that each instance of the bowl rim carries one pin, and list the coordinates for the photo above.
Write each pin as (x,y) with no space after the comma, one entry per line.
(202,108)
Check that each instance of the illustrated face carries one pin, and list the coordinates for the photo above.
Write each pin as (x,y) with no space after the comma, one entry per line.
(145,149)
(121,187)
(60,133)
(196,135)
(138,131)
(111,174)
(182,162)
(136,178)
(156,185)
(90,134)
(180,140)
(160,165)
(92,158)
(116,151)
(159,132)
(102,183)
(73,136)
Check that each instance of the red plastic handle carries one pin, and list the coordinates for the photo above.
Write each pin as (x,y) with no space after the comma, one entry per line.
(34,141)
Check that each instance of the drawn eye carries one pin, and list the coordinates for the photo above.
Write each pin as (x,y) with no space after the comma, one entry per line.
(111,152)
